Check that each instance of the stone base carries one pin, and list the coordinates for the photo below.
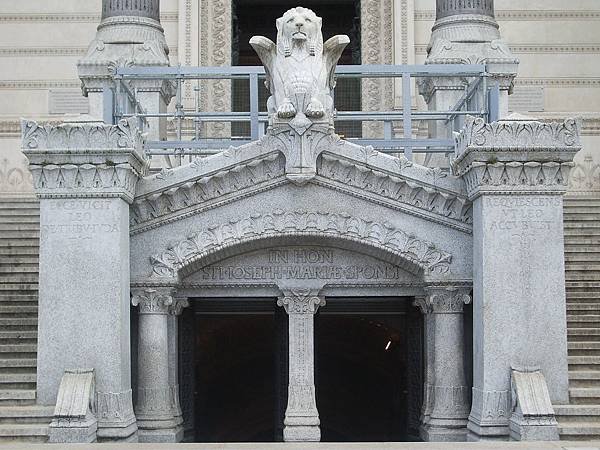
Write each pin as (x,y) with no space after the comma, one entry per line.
(118,433)
(481,432)
(523,430)
(61,432)
(154,431)
(302,433)
(444,434)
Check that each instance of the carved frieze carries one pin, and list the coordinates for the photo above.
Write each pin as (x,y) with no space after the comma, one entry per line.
(427,197)
(418,253)
(198,192)
(492,408)
(152,301)
(84,159)
(516,156)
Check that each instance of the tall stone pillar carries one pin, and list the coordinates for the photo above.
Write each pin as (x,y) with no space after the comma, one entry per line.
(301,421)
(154,408)
(448,418)
(465,33)
(173,335)
(516,174)
(85,175)
(130,34)
(425,307)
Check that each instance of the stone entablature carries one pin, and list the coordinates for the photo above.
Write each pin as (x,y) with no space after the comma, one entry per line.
(491,157)
(85,159)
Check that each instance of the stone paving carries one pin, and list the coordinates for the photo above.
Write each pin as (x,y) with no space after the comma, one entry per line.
(561,445)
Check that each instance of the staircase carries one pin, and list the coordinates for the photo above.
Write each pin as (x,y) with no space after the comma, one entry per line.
(580,420)
(20,418)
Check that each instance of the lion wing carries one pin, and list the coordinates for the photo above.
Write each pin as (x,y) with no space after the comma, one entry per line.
(267,52)
(332,50)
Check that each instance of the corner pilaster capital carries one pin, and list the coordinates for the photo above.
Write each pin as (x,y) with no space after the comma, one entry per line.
(448,299)
(152,300)
(178,305)
(85,159)
(519,156)
(423,304)
(301,301)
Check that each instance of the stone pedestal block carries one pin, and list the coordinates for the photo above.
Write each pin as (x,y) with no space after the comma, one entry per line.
(516,174)
(85,176)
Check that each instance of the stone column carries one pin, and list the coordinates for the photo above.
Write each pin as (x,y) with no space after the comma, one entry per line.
(153,407)
(516,174)
(173,335)
(301,416)
(130,34)
(448,418)
(85,175)
(425,306)
(465,33)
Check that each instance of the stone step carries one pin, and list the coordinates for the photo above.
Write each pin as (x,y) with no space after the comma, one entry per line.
(576,410)
(21,323)
(584,363)
(4,227)
(14,278)
(19,234)
(17,335)
(583,334)
(577,308)
(17,288)
(579,431)
(584,258)
(584,348)
(579,240)
(20,381)
(26,414)
(17,394)
(584,396)
(582,274)
(7,269)
(18,309)
(19,250)
(18,348)
(583,321)
(23,432)
(19,259)
(22,219)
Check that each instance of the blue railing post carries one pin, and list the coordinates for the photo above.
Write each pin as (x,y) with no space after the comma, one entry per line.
(407,114)
(494,103)
(254,106)
(108,105)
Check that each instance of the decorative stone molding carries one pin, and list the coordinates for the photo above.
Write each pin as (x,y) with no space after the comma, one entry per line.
(377,47)
(452,400)
(523,156)
(492,408)
(585,176)
(200,191)
(215,50)
(396,187)
(84,159)
(115,414)
(447,300)
(423,304)
(419,254)
(177,306)
(14,176)
(152,301)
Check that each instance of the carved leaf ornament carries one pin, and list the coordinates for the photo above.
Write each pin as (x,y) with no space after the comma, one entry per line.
(384,236)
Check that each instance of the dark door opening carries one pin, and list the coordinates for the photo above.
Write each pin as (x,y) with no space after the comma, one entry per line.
(237,366)
(368,370)
(251,17)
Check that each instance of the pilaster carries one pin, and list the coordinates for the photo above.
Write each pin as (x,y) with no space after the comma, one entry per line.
(516,173)
(175,311)
(450,393)
(424,306)
(301,421)
(85,175)
(154,406)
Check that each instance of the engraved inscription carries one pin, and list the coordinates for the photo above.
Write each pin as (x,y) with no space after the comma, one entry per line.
(80,222)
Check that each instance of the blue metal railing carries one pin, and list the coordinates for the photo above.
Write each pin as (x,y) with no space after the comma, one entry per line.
(478,99)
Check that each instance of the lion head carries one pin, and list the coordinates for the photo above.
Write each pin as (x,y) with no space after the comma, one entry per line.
(299,26)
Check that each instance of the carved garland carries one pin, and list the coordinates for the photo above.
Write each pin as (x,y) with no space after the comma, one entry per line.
(385,236)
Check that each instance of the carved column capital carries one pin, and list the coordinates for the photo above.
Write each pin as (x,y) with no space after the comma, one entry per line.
(152,300)
(448,299)
(423,304)
(179,303)
(301,301)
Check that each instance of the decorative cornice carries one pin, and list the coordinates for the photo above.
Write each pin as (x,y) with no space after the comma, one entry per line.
(199,192)
(39,84)
(563,82)
(301,301)
(84,159)
(537,48)
(429,199)
(152,300)
(81,17)
(418,254)
(526,14)
(516,156)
